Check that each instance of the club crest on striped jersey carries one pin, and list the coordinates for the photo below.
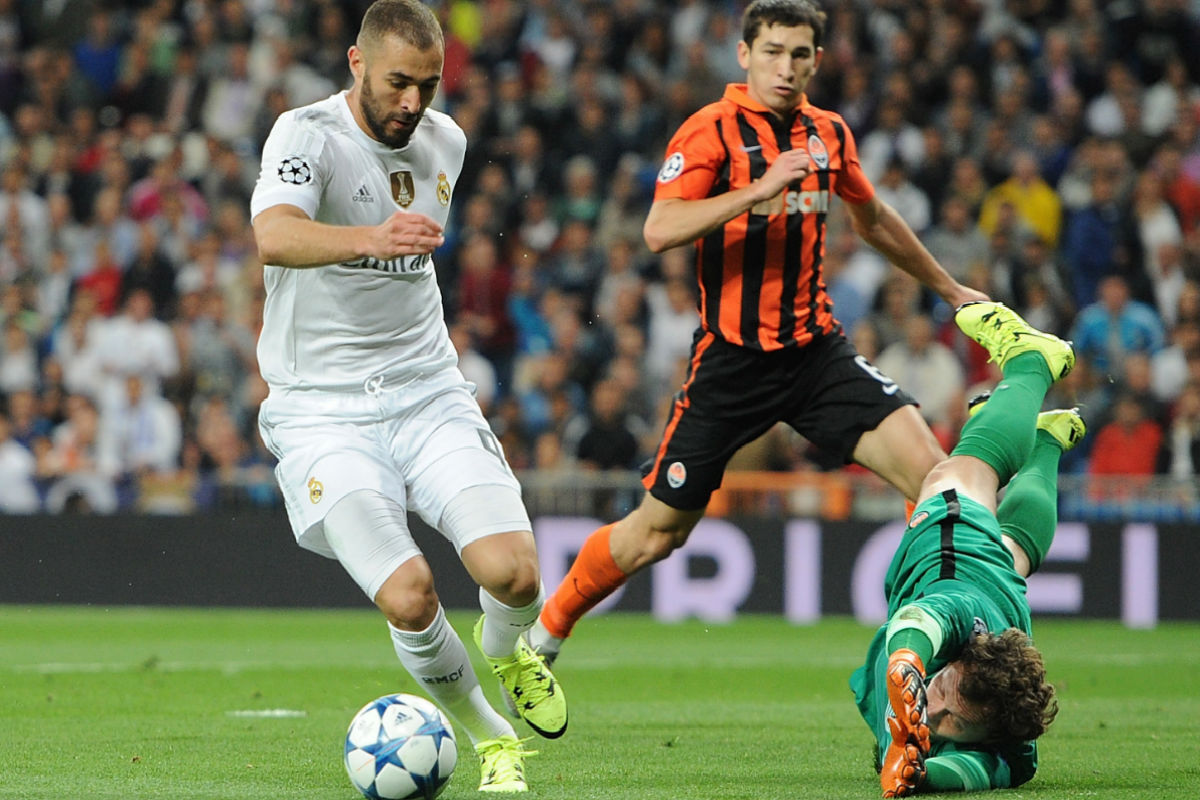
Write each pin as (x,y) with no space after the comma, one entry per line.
(817,151)
(676,475)
(671,168)
(403,190)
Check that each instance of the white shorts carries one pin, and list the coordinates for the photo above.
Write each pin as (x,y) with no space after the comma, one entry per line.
(420,451)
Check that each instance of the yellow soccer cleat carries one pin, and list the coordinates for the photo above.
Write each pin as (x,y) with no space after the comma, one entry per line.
(502,764)
(1064,424)
(1003,333)
(531,686)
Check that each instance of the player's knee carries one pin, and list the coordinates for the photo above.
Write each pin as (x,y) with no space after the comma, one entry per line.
(408,598)
(660,542)
(518,584)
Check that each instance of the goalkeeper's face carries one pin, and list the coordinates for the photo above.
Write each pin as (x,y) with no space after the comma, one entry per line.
(951,717)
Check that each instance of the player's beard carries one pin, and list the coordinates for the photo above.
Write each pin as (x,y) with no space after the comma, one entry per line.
(377,118)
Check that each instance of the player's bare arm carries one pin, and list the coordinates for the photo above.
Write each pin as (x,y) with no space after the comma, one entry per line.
(287,237)
(674,221)
(881,227)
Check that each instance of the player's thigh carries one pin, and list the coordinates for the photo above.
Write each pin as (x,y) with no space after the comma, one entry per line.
(902,450)
(460,457)
(369,535)
(841,398)
(322,458)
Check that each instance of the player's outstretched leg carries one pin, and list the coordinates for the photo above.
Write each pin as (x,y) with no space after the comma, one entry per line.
(530,685)
(502,764)
(1028,514)
(1003,333)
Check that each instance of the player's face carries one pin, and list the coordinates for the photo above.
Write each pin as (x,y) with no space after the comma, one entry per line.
(951,718)
(397,82)
(779,65)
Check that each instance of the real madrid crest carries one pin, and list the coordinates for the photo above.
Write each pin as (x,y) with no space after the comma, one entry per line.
(403,191)
(443,189)
(316,490)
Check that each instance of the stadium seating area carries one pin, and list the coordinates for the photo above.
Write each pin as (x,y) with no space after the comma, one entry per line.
(1046,151)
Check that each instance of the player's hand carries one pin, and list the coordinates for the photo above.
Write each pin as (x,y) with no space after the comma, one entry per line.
(789,166)
(903,770)
(404,234)
(906,694)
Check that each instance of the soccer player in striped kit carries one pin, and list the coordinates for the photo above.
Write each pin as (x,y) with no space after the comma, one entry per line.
(749,179)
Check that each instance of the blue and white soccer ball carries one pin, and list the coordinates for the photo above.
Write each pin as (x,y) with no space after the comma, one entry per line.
(399,747)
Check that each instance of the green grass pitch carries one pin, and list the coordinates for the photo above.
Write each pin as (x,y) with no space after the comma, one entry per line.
(132,703)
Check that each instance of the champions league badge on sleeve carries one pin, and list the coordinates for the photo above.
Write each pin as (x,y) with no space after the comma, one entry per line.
(671,168)
(295,170)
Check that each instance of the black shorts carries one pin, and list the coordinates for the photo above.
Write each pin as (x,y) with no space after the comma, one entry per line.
(825,390)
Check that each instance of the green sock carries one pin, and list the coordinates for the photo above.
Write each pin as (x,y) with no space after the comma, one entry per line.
(1029,511)
(1001,434)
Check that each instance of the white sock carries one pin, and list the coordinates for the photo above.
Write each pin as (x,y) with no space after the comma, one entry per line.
(542,640)
(438,660)
(502,624)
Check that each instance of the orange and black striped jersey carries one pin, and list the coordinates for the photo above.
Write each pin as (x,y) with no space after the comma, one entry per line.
(761,284)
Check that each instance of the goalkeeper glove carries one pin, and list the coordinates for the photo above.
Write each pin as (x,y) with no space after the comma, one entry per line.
(904,763)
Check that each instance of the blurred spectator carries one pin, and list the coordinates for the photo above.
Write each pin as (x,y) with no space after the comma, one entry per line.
(607,437)
(552,397)
(474,366)
(18,359)
(1159,238)
(1032,198)
(1180,457)
(1129,445)
(895,189)
(673,320)
(142,433)
(1106,331)
(930,372)
(575,265)
(1097,240)
(78,479)
(232,98)
(894,137)
(482,299)
(1169,366)
(25,421)
(18,467)
(135,343)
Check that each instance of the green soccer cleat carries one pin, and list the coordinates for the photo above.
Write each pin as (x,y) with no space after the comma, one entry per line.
(502,764)
(1003,333)
(531,686)
(1064,424)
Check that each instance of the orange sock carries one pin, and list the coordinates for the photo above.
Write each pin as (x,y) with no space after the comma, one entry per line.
(909,507)
(593,577)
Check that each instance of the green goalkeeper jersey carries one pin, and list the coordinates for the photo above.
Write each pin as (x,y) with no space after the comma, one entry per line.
(952,565)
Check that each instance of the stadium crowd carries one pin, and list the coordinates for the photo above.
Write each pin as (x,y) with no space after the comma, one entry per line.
(1047,152)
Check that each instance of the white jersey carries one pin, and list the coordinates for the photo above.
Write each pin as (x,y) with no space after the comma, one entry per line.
(347,325)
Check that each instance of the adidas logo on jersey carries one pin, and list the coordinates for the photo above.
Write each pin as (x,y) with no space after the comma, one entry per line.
(363,196)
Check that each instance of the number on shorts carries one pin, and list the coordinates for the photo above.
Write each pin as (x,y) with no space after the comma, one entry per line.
(492,445)
(889,385)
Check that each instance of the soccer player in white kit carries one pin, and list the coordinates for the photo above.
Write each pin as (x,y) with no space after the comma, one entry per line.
(368,413)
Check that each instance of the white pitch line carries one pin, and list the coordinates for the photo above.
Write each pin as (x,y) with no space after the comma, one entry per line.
(268,713)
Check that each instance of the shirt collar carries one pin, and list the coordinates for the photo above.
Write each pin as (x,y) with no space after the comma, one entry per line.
(739,93)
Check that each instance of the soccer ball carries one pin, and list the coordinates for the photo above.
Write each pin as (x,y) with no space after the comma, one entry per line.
(399,747)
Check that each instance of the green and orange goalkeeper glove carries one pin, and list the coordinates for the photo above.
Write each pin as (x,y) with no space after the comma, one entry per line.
(904,763)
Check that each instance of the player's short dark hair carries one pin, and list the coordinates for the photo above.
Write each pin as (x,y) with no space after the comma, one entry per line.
(789,13)
(410,20)
(1004,675)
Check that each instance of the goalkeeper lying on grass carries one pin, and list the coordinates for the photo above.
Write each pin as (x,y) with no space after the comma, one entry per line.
(952,687)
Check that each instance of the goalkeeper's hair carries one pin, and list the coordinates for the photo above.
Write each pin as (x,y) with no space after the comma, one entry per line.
(1004,675)
(410,20)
